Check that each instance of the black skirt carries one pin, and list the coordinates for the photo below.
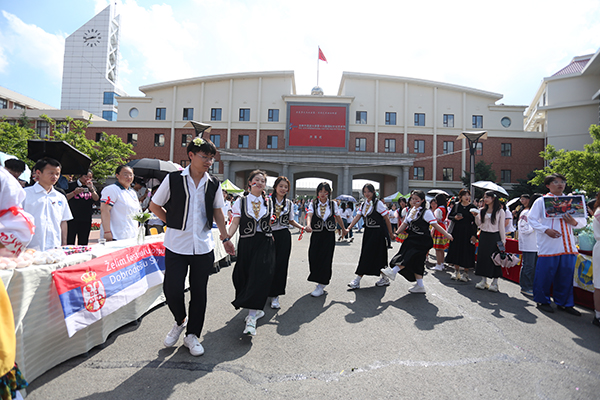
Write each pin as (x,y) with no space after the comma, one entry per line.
(283,248)
(320,256)
(373,252)
(412,255)
(253,271)
(488,243)
(461,252)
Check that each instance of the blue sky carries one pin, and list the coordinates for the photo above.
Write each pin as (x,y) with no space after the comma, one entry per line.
(504,47)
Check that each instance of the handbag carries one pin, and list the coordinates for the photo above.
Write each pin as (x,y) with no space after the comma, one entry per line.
(505,260)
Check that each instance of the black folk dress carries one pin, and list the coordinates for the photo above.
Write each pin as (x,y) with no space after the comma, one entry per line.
(373,251)
(461,251)
(322,246)
(414,249)
(283,248)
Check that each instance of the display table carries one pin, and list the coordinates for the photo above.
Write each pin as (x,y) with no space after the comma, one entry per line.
(581,294)
(42,339)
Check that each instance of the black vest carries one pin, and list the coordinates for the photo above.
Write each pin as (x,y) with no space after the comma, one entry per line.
(178,205)
(373,219)
(419,226)
(248,224)
(317,223)
(284,216)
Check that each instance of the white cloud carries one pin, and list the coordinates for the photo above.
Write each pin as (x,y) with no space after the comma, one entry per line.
(29,44)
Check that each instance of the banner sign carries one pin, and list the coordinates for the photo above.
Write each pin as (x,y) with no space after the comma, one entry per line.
(317,126)
(92,290)
(557,206)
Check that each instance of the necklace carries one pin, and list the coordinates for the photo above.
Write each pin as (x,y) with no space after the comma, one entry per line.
(367,208)
(278,209)
(256,208)
(322,209)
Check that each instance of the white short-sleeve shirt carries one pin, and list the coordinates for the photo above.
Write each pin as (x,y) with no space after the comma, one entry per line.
(48,209)
(124,204)
(195,239)
(336,209)
(412,214)
(366,207)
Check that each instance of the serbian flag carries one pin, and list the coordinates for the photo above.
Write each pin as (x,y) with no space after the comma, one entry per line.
(322,56)
(94,289)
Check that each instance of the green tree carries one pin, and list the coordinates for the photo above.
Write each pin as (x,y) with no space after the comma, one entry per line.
(13,140)
(483,172)
(524,186)
(581,168)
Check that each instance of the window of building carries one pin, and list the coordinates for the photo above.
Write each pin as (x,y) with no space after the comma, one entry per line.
(271,142)
(186,138)
(419,173)
(214,168)
(448,120)
(479,149)
(243,141)
(361,117)
(159,139)
(161,114)
(244,114)
(110,98)
(3,103)
(448,174)
(99,136)
(62,126)
(361,144)
(419,146)
(506,149)
(419,119)
(18,106)
(215,114)
(216,139)
(390,118)
(390,145)
(273,115)
(132,138)
(134,112)
(505,175)
(42,128)
(109,115)
(184,163)
(477,121)
(188,114)
(448,147)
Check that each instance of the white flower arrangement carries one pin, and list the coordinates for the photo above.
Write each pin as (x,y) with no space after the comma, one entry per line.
(141,217)
(198,141)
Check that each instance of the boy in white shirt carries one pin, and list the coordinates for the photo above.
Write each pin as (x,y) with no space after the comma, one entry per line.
(49,207)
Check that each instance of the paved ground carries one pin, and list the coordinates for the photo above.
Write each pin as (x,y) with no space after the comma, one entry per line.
(455,342)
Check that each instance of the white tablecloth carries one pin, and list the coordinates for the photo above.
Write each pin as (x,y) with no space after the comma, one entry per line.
(42,339)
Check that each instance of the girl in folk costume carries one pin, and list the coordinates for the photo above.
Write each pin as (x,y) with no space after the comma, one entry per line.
(321,217)
(491,221)
(255,266)
(410,260)
(402,212)
(440,242)
(461,252)
(285,215)
(373,252)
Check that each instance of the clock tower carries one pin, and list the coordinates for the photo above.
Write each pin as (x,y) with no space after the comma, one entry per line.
(90,68)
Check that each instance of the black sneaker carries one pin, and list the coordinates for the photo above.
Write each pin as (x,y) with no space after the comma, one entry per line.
(596,322)
(545,307)
(569,310)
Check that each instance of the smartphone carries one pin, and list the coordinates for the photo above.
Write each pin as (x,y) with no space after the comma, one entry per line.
(86,190)
(458,214)
(501,246)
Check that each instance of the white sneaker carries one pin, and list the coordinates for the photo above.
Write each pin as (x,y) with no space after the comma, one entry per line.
(192,343)
(417,289)
(481,285)
(174,333)
(464,277)
(250,328)
(275,303)
(438,267)
(389,273)
(355,284)
(318,291)
(456,276)
(493,287)
(384,281)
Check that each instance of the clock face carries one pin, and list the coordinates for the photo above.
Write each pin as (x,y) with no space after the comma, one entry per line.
(92,37)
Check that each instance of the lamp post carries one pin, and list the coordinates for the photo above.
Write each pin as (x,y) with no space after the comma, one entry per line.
(472,138)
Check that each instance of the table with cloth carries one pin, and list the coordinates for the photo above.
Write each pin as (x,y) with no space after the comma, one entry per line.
(42,338)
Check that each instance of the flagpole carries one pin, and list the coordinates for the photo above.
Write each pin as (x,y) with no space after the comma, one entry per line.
(318,67)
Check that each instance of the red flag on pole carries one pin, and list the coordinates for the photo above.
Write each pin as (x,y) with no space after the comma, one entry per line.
(322,56)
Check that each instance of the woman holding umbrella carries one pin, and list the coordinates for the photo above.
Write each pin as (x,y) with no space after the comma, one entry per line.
(491,221)
(118,203)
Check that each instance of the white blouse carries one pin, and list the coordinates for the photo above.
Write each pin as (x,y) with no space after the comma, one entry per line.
(336,209)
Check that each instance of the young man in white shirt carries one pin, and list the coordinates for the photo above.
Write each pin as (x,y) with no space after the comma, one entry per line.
(187,202)
(49,207)
(557,252)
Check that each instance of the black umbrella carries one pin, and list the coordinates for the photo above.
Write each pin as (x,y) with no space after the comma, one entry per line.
(152,168)
(72,160)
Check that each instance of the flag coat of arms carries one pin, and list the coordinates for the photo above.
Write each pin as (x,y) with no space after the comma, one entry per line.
(94,289)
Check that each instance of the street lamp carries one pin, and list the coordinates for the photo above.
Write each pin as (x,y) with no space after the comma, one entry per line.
(472,138)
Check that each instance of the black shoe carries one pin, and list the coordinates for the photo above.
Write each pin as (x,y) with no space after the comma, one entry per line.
(596,322)
(545,307)
(569,310)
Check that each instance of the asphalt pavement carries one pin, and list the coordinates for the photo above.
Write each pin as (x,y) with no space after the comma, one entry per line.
(454,342)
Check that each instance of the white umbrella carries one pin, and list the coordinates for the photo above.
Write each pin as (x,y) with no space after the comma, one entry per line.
(490,186)
(513,201)
(433,192)
(25,176)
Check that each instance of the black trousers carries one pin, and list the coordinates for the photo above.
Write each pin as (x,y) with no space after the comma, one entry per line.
(176,269)
(79,229)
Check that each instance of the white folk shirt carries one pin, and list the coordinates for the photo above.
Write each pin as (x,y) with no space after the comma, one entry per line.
(366,208)
(547,246)
(124,204)
(237,208)
(336,209)
(277,226)
(412,215)
(527,235)
(49,209)
(195,239)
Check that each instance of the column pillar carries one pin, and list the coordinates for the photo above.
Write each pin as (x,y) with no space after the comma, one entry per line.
(347,186)
(226,170)
(405,174)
